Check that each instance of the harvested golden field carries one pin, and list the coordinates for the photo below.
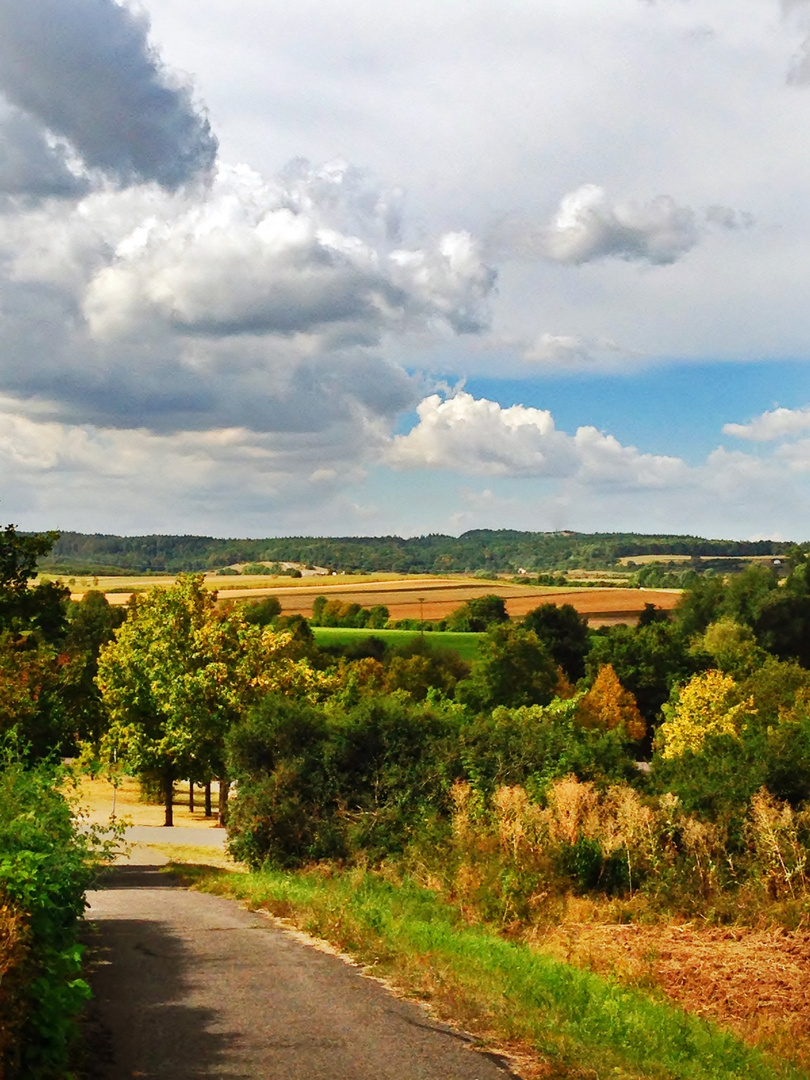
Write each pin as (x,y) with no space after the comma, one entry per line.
(755,981)
(435,598)
(411,597)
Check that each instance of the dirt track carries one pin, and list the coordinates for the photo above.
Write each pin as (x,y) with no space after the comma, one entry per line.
(190,986)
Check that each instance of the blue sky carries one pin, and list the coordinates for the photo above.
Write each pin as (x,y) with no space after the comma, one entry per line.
(365,267)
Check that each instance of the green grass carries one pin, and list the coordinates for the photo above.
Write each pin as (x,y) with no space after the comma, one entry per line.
(465,644)
(573,1022)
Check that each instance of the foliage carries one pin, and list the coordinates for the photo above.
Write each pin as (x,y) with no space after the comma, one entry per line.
(180,672)
(336,613)
(315,784)
(704,708)
(24,608)
(608,705)
(532,745)
(32,700)
(477,615)
(262,612)
(499,550)
(46,864)
(564,632)
(513,669)
(648,660)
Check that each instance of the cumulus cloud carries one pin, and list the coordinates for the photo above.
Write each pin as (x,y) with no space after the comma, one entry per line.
(258,258)
(255,303)
(772,426)
(481,437)
(85,70)
(589,226)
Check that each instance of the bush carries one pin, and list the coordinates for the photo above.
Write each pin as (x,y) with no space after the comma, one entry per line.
(315,784)
(46,865)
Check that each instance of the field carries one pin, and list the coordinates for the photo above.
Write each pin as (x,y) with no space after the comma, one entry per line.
(414,597)
(464,644)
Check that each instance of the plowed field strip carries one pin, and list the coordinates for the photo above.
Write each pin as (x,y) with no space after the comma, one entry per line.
(755,981)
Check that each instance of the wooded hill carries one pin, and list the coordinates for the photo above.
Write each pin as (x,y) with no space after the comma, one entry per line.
(496,550)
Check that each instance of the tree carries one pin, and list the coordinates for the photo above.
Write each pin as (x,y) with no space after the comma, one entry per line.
(564,632)
(514,669)
(180,672)
(27,609)
(92,623)
(648,660)
(607,705)
(262,612)
(732,646)
(706,706)
(478,614)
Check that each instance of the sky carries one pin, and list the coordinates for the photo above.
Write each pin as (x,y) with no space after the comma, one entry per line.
(365,267)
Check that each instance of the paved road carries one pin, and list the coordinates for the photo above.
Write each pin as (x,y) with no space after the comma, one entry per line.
(190,986)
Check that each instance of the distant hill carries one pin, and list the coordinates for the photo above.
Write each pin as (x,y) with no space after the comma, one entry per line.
(495,550)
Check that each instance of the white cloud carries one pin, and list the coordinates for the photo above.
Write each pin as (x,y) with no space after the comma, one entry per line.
(480,437)
(771,426)
(259,258)
(588,226)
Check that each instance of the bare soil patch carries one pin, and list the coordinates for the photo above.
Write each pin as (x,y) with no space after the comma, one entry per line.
(755,981)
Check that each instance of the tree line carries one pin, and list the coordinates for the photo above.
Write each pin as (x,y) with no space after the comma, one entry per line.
(481,550)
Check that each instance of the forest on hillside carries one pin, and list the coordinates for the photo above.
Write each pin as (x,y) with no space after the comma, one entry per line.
(480,550)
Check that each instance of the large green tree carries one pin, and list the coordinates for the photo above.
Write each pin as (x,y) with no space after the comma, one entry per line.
(564,632)
(179,672)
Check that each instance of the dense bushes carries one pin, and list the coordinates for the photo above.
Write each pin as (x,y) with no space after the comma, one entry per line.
(374,778)
(45,867)
(317,784)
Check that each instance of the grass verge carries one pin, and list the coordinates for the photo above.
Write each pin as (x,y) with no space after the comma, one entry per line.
(571,1022)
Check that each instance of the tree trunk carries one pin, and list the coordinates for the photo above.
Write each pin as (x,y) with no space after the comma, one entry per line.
(191,796)
(222,816)
(168,794)
(208,811)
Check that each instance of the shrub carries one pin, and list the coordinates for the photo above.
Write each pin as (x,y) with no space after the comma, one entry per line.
(46,864)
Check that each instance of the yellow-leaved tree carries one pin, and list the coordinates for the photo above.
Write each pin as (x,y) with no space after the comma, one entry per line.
(706,706)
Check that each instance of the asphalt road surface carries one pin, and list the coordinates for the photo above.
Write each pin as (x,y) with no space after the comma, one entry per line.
(189,986)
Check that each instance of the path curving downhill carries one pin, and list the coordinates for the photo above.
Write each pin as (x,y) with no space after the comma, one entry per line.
(190,986)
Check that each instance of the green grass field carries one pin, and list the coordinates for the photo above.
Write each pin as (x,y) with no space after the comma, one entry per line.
(465,644)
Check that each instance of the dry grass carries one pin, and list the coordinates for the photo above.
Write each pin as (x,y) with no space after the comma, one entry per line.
(95,797)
